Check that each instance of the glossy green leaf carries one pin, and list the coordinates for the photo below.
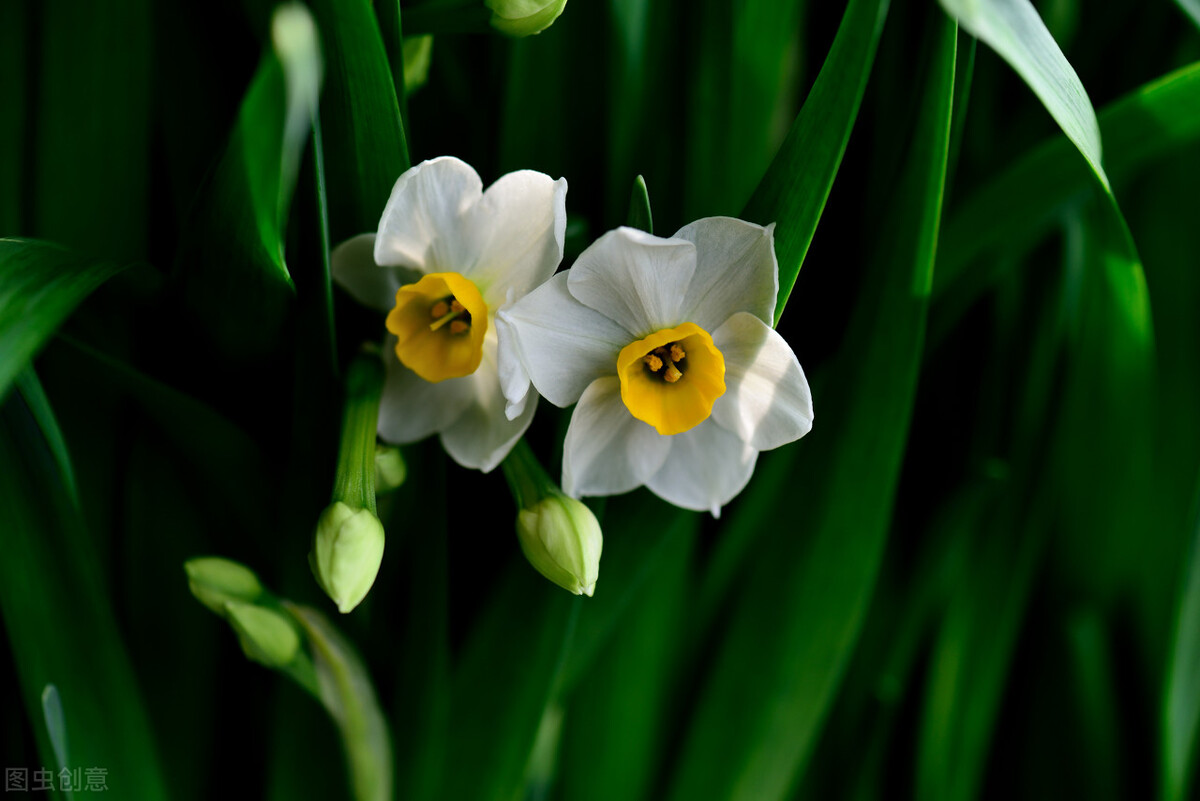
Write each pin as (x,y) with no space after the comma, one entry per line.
(40,285)
(1014,30)
(1191,8)
(793,629)
(364,142)
(794,189)
(232,252)
(1020,203)
(59,621)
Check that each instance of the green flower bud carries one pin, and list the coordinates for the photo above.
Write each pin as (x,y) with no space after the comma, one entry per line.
(215,582)
(524,17)
(561,538)
(266,636)
(346,554)
(390,471)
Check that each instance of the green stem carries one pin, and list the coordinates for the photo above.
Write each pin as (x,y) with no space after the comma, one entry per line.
(527,479)
(355,481)
(346,692)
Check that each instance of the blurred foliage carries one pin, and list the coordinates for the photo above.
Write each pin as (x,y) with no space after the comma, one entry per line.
(978,577)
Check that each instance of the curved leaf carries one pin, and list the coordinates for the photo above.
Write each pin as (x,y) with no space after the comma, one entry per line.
(40,285)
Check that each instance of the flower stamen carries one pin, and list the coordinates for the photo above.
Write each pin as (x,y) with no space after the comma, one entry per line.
(671,378)
(666,356)
(448,312)
(439,323)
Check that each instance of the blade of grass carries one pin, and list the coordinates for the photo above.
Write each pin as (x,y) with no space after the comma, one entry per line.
(793,191)
(40,285)
(794,628)
(55,611)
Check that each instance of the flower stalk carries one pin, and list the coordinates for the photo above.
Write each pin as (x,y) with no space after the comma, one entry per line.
(559,536)
(348,544)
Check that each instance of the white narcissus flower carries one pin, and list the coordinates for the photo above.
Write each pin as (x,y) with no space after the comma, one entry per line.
(446,258)
(667,347)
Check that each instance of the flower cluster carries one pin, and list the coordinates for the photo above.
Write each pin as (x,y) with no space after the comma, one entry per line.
(664,345)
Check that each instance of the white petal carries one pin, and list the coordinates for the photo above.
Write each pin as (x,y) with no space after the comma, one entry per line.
(411,407)
(515,235)
(562,345)
(483,435)
(736,270)
(767,401)
(706,468)
(354,268)
(635,279)
(423,218)
(514,378)
(607,450)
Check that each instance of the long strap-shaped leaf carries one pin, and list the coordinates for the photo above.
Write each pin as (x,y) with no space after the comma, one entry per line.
(1014,30)
(233,275)
(58,619)
(365,148)
(1021,202)
(40,285)
(792,633)
(1181,696)
(795,187)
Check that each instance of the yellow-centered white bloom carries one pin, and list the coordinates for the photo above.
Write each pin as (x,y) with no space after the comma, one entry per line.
(667,347)
(446,258)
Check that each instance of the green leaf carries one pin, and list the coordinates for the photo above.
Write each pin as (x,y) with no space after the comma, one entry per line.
(39,406)
(793,629)
(1181,690)
(619,716)
(365,146)
(639,207)
(56,725)
(40,285)
(91,152)
(59,621)
(505,679)
(795,187)
(347,694)
(1191,8)
(1020,204)
(231,254)
(971,659)
(631,561)
(1014,30)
